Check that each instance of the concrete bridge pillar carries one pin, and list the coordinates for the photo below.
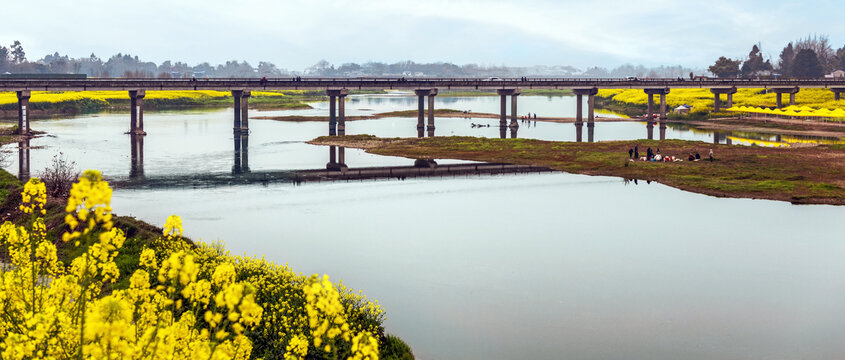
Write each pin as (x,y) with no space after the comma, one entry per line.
(649,130)
(337,100)
(779,95)
(651,92)
(136,118)
(341,114)
(503,115)
(23,160)
(579,107)
(431,96)
(421,94)
(337,97)
(514,130)
(717,92)
(837,92)
(23,112)
(650,111)
(136,150)
(591,130)
(238,102)
(503,133)
(245,110)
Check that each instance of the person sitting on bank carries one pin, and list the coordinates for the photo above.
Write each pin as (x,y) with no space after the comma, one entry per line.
(697,157)
(691,157)
(630,153)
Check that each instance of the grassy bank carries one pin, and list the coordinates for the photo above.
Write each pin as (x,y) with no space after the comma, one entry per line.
(814,175)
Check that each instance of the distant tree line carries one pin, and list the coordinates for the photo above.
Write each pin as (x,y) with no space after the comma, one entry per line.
(13,60)
(810,57)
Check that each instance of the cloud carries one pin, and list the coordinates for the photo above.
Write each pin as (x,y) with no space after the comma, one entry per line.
(295,34)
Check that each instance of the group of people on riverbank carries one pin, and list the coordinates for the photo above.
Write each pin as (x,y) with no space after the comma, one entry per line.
(526,119)
(634,154)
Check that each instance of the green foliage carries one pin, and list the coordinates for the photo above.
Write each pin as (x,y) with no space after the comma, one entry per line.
(395,349)
(806,65)
(725,68)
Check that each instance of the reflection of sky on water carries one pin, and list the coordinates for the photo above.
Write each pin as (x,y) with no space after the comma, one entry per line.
(540,266)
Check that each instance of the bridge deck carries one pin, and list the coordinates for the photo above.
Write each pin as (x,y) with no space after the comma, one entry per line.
(398,83)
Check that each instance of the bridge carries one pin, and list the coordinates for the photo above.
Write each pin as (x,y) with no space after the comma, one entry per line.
(338,88)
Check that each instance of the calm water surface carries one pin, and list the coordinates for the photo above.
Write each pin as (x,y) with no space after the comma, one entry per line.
(541,266)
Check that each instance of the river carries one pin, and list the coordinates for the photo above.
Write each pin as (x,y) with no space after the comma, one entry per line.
(540,266)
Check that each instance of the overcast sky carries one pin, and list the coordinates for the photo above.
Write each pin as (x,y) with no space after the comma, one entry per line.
(297,34)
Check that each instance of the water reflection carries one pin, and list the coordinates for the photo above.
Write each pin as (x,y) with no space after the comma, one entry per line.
(578,132)
(23,159)
(136,145)
(337,159)
(241,163)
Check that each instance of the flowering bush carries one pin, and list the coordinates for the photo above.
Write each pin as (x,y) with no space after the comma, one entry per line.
(182,301)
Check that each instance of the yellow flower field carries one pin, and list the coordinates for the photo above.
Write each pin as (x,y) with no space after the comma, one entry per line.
(106,96)
(702,99)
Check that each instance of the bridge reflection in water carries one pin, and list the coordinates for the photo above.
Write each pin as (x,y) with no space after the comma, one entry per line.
(335,169)
(23,160)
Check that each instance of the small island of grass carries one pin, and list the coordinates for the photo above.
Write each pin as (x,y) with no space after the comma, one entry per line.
(807,175)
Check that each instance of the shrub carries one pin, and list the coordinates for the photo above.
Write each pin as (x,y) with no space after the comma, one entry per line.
(182,301)
(59,176)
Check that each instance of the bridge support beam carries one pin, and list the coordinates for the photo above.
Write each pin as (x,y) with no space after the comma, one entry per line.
(503,115)
(431,96)
(651,92)
(421,94)
(136,117)
(241,110)
(337,124)
(579,106)
(837,92)
(779,95)
(717,92)
(23,112)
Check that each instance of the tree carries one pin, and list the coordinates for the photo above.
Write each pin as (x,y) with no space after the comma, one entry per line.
(18,55)
(725,68)
(806,64)
(821,46)
(786,57)
(755,63)
(4,58)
